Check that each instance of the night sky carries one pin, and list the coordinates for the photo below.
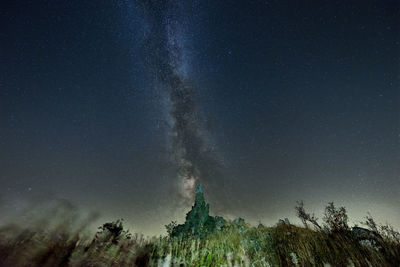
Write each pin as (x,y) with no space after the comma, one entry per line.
(123,107)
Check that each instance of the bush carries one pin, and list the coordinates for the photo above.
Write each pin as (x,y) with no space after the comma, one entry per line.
(336,219)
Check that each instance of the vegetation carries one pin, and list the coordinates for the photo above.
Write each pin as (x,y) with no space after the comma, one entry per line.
(204,240)
(198,221)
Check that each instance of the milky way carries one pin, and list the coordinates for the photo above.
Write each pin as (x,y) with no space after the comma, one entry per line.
(124,106)
(165,56)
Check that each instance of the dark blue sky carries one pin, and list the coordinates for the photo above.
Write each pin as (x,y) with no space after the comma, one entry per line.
(287,101)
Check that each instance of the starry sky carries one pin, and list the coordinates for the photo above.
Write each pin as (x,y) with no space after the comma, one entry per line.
(124,106)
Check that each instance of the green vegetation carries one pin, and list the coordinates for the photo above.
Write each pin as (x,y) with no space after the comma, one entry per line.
(198,221)
(204,240)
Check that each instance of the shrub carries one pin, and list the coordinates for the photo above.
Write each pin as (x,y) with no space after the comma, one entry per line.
(336,219)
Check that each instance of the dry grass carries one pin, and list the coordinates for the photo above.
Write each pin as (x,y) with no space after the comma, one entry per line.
(235,245)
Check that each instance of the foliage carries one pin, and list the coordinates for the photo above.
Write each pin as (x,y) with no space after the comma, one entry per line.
(198,221)
(306,217)
(112,231)
(336,219)
(385,231)
(170,227)
(235,243)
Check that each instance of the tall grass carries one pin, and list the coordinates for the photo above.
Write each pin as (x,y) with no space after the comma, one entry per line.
(235,245)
